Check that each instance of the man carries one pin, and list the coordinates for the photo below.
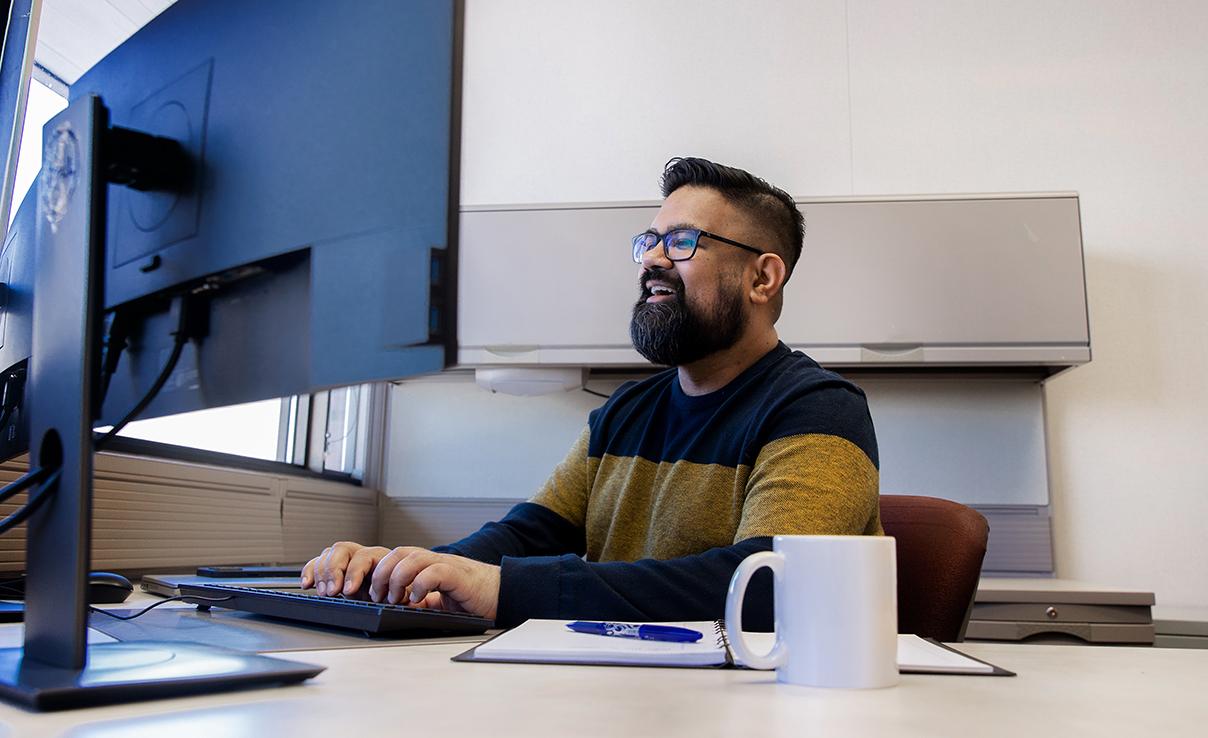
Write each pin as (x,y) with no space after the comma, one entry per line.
(679,477)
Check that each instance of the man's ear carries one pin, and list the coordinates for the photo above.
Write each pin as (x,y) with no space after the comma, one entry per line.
(770,273)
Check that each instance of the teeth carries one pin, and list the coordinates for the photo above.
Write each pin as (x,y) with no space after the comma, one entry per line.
(661,291)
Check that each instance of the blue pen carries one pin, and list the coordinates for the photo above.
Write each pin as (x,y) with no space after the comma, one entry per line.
(644,632)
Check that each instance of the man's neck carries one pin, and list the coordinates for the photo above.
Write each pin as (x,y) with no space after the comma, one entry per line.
(717,370)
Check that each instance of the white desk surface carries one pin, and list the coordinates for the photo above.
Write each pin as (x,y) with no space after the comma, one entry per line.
(1099,691)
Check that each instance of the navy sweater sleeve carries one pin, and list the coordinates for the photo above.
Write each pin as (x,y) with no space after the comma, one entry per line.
(527,530)
(544,575)
(686,588)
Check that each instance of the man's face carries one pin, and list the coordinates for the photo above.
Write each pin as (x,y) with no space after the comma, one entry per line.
(691,309)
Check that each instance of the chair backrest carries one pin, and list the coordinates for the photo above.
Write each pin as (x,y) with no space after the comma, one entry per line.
(940,546)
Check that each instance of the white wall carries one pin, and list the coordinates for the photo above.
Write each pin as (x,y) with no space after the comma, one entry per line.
(1108,99)
(580,101)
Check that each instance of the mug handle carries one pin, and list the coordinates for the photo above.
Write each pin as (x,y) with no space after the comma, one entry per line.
(738,590)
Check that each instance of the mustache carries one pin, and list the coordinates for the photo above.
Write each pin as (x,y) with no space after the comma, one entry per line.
(672,281)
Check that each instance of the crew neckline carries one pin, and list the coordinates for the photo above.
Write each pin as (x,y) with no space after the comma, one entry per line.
(686,401)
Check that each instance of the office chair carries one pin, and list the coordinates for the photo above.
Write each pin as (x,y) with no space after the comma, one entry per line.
(940,547)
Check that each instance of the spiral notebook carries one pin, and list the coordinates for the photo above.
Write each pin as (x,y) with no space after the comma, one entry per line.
(550,642)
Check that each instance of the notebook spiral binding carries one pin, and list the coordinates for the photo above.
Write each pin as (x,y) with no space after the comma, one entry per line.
(722,641)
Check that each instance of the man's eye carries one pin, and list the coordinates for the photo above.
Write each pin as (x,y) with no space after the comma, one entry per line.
(683,243)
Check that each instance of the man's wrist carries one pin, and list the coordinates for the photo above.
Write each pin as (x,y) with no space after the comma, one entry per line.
(529,587)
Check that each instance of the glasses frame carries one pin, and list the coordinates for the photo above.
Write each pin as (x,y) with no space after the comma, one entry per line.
(640,249)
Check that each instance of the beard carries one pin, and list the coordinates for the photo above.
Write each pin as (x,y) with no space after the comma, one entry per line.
(675,332)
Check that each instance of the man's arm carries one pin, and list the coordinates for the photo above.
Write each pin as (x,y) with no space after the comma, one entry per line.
(686,588)
(527,530)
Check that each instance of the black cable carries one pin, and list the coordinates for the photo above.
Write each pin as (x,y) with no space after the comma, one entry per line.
(10,591)
(115,343)
(20,484)
(597,394)
(190,323)
(149,608)
(6,587)
(178,346)
(36,500)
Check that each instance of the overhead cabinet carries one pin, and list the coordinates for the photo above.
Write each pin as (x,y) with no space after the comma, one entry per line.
(888,281)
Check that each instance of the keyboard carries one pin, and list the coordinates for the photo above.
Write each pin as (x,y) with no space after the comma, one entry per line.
(371,618)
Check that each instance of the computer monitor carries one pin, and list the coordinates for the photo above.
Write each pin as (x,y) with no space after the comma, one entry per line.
(320,193)
(275,182)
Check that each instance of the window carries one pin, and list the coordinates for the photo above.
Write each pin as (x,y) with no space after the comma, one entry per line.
(343,438)
(326,432)
(250,430)
(329,432)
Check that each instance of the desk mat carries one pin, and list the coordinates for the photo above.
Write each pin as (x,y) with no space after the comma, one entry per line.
(244,631)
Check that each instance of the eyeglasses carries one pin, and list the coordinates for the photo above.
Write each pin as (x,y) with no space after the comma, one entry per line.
(680,244)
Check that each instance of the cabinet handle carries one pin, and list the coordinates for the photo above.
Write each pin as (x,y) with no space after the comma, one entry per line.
(891,352)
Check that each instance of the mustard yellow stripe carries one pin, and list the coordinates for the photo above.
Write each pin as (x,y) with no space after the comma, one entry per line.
(632,508)
(812,484)
(566,490)
(642,509)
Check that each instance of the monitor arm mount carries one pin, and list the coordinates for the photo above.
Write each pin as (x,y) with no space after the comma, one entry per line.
(145,162)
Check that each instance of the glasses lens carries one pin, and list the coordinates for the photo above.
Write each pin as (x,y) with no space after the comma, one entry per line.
(642,243)
(681,244)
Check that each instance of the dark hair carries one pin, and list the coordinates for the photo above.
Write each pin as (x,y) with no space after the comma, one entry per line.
(772,207)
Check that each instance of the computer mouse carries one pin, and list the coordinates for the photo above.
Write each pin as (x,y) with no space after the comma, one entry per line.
(104,588)
(107,588)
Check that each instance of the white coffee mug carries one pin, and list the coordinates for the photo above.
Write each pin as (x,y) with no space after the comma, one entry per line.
(836,611)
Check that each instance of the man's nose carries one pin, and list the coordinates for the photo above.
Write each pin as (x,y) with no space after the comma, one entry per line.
(656,258)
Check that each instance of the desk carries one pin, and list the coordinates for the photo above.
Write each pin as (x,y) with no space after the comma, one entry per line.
(1060,691)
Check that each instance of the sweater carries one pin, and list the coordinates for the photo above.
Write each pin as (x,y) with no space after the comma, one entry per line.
(664,494)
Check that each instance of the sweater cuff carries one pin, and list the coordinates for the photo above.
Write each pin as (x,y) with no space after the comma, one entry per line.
(529,587)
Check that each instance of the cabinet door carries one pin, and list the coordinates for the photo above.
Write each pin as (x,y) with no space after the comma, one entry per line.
(899,276)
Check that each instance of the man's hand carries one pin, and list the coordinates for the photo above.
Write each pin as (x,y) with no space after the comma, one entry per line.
(406,575)
(342,568)
(418,577)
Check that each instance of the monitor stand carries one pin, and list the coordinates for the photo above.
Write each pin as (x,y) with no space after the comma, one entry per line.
(57,669)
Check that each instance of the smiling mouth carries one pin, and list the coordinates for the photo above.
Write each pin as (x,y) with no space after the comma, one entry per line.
(659,293)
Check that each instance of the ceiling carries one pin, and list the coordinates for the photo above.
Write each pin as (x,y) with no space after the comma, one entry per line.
(75,34)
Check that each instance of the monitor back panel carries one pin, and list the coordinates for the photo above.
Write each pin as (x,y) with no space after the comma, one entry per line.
(321,135)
